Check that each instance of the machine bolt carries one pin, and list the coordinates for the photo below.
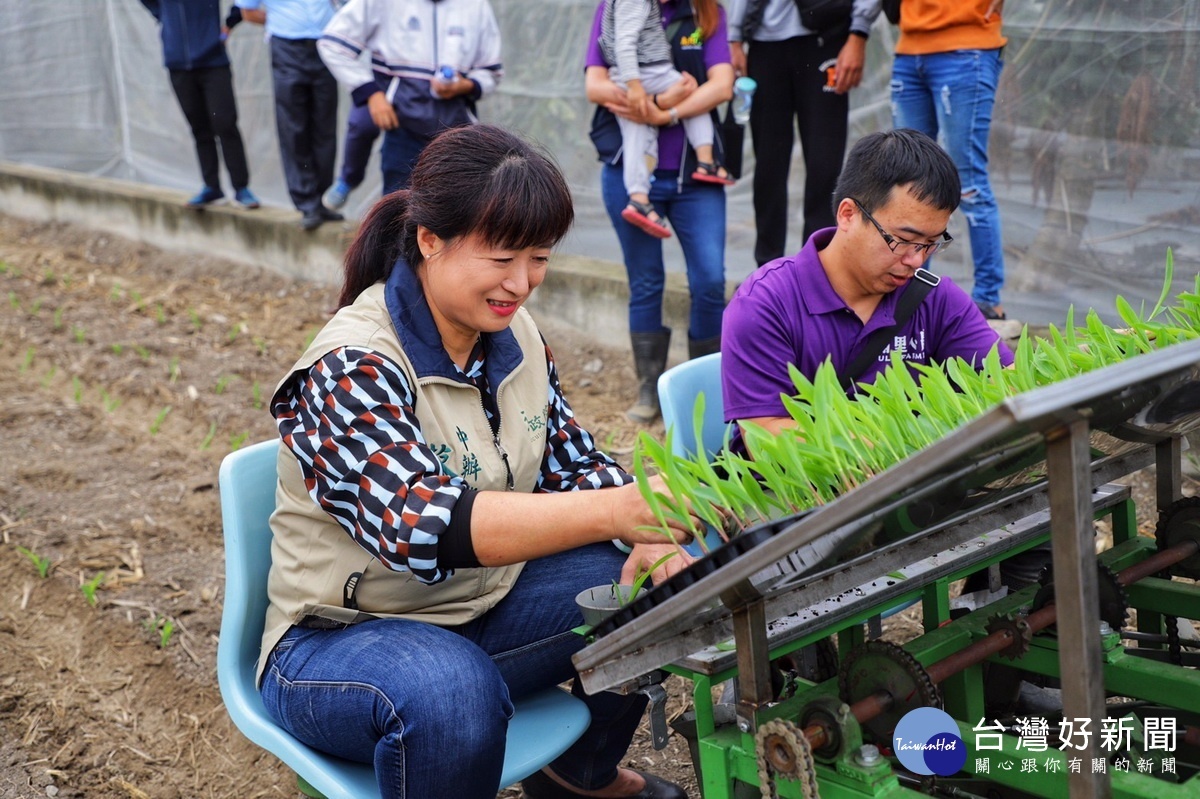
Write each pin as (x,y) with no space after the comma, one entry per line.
(1104,628)
(868,755)
(743,725)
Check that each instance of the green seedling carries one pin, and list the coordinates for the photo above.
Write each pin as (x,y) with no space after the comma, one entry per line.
(90,587)
(308,340)
(36,308)
(222,384)
(236,330)
(76,389)
(637,585)
(116,293)
(49,378)
(142,352)
(256,396)
(173,370)
(118,348)
(261,344)
(160,314)
(156,425)
(138,302)
(194,318)
(14,301)
(108,401)
(164,626)
(237,440)
(49,278)
(40,562)
(4,267)
(838,443)
(58,314)
(208,439)
(79,334)
(28,361)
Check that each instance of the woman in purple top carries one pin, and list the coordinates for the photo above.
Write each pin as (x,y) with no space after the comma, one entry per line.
(700,49)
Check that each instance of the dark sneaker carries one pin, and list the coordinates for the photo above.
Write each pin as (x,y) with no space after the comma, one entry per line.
(991,312)
(207,196)
(329,216)
(246,198)
(311,220)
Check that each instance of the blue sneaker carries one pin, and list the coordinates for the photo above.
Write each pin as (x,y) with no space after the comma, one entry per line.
(246,198)
(337,195)
(207,196)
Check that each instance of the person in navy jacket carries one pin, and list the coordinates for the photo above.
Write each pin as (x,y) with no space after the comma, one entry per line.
(193,38)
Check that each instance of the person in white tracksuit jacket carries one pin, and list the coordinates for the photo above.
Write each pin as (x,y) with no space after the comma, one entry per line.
(411,43)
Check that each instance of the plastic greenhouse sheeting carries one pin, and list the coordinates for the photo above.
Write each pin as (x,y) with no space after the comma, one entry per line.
(1095,156)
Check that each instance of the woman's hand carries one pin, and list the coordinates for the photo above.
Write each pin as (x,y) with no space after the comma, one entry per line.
(679,90)
(644,556)
(634,523)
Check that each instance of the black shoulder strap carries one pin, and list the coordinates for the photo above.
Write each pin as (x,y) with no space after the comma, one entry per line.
(922,283)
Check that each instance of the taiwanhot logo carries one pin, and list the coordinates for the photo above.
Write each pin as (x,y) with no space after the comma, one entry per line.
(927,742)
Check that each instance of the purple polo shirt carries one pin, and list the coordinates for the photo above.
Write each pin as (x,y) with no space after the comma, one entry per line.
(787,312)
(671,140)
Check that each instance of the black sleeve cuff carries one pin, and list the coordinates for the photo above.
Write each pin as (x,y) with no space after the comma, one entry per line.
(364,92)
(235,16)
(476,92)
(455,548)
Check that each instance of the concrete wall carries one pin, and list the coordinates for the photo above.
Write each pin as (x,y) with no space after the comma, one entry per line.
(587,293)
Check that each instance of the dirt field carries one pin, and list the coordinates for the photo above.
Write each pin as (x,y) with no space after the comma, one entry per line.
(132,372)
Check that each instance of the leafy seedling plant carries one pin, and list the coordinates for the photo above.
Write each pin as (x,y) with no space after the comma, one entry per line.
(90,587)
(164,626)
(638,583)
(42,563)
(838,442)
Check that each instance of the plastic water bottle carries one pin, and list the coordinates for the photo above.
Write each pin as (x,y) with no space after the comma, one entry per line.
(446,74)
(743,96)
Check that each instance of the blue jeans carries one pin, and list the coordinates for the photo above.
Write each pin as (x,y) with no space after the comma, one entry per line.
(398,156)
(697,216)
(950,96)
(429,706)
(361,133)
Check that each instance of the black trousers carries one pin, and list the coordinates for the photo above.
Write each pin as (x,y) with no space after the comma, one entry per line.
(206,97)
(306,98)
(794,83)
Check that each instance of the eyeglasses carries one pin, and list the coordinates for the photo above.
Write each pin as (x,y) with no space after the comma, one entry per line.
(902,247)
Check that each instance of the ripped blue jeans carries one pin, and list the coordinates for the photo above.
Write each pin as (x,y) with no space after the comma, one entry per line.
(950,96)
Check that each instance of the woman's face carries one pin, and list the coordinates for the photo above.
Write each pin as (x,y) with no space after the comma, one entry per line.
(476,288)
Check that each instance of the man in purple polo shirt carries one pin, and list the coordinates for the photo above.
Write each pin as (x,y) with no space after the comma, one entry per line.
(893,200)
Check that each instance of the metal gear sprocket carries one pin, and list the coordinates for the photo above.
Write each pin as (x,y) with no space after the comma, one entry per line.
(883,666)
(782,749)
(1180,521)
(1022,635)
(1114,602)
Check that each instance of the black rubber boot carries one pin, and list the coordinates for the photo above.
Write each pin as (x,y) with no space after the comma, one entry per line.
(649,361)
(703,346)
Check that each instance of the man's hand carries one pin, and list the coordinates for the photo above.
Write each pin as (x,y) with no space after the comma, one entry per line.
(737,57)
(849,69)
(382,113)
(256,15)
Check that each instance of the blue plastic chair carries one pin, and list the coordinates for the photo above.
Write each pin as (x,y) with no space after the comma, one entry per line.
(542,728)
(678,388)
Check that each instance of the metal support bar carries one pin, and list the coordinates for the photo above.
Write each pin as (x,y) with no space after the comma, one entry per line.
(1076,594)
(1168,469)
(754,663)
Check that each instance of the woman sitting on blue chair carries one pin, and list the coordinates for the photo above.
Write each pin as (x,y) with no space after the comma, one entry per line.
(436,513)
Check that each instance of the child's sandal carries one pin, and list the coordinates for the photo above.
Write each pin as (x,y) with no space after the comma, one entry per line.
(712,173)
(639,215)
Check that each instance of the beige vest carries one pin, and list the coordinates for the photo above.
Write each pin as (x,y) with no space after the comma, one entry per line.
(312,557)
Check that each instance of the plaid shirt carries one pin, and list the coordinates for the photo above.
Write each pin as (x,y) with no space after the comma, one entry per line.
(350,422)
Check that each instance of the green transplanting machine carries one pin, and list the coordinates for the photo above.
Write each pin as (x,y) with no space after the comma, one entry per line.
(1100,646)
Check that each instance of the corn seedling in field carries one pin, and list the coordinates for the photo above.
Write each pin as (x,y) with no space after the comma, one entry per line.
(838,442)
(90,587)
(14,302)
(237,440)
(222,384)
(28,360)
(76,389)
(164,626)
(208,439)
(42,563)
(156,425)
(79,334)
(256,399)
(58,315)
